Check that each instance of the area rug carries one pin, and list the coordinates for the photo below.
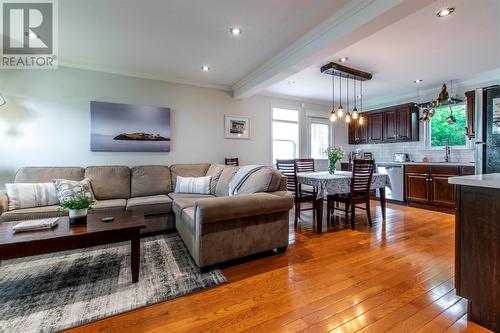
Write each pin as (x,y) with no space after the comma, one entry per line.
(48,293)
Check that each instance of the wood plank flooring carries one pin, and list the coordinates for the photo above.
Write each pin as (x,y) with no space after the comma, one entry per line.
(394,277)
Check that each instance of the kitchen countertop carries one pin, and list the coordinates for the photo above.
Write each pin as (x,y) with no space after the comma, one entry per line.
(491,180)
(427,163)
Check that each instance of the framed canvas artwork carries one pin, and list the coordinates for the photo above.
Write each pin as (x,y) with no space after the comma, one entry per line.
(236,127)
(129,128)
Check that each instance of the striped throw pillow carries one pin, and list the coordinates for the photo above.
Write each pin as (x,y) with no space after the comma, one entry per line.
(28,195)
(194,185)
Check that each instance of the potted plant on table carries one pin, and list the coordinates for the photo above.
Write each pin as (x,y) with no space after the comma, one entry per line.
(78,208)
(334,154)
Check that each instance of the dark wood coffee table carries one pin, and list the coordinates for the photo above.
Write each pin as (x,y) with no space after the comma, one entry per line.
(125,227)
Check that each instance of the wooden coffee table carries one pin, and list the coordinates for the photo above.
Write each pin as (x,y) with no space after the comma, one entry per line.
(125,227)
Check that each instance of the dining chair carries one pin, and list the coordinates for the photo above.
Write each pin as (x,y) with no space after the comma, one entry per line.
(306,165)
(289,169)
(367,156)
(362,173)
(232,161)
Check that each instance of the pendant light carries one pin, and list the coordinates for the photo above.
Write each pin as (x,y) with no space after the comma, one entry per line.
(348,115)
(333,116)
(340,110)
(361,120)
(355,114)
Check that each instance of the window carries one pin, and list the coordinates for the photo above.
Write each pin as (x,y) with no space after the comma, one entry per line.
(440,130)
(319,137)
(285,134)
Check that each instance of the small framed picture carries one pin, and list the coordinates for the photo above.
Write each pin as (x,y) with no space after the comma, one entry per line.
(236,127)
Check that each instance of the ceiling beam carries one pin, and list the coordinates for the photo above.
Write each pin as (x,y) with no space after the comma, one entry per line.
(352,23)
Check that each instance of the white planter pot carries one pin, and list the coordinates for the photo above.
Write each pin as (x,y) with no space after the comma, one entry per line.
(76,213)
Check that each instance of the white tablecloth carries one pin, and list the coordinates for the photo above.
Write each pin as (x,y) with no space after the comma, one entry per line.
(340,182)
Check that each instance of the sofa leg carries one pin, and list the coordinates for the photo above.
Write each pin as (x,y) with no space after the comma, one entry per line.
(281,249)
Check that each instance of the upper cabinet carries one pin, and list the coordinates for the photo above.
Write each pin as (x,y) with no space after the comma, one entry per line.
(393,124)
(470,98)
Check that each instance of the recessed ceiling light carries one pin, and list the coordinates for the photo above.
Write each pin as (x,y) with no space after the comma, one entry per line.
(343,59)
(418,81)
(291,83)
(235,31)
(205,68)
(445,12)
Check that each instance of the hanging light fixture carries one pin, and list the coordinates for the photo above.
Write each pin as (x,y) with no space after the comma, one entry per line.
(348,114)
(361,120)
(355,114)
(340,110)
(333,116)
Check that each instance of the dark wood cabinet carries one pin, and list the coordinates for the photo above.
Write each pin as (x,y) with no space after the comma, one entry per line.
(375,127)
(427,185)
(470,98)
(393,124)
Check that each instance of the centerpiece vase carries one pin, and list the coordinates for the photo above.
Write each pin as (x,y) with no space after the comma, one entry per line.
(331,166)
(78,216)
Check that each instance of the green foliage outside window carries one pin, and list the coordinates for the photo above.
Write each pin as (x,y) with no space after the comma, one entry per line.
(441,130)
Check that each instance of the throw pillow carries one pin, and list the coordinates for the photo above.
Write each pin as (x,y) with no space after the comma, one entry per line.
(194,185)
(28,195)
(73,188)
(214,171)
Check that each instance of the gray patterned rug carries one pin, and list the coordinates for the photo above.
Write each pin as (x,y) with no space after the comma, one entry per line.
(49,293)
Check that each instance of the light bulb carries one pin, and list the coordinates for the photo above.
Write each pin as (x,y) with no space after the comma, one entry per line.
(361,120)
(340,111)
(348,118)
(355,113)
(333,117)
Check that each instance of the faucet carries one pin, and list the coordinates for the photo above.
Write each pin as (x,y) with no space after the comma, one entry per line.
(447,151)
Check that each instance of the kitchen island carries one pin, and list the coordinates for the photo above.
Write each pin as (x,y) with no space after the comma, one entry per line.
(477,246)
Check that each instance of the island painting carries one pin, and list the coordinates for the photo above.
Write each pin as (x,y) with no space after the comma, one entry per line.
(129,128)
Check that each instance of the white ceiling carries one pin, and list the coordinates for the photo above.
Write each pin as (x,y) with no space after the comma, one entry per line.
(170,40)
(419,46)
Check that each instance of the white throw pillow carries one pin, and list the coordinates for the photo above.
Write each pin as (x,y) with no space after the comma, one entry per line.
(194,185)
(28,195)
(73,188)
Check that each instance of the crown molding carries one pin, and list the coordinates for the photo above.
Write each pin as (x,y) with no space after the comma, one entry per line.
(107,70)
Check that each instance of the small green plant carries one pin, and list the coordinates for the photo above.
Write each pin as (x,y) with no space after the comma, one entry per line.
(75,203)
(334,154)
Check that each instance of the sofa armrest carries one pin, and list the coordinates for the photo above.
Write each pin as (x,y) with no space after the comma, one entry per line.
(228,208)
(4,202)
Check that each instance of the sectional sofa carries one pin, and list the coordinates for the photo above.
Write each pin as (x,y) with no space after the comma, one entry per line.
(215,228)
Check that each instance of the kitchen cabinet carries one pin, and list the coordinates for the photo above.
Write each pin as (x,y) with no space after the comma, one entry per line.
(427,185)
(397,123)
(470,100)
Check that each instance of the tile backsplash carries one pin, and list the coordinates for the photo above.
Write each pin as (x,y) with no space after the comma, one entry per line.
(417,150)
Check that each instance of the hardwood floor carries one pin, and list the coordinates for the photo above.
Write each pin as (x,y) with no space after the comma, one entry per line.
(394,277)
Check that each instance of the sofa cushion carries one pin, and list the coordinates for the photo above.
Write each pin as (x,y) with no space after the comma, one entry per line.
(109,182)
(147,180)
(151,205)
(263,180)
(214,171)
(188,170)
(73,188)
(222,187)
(46,174)
(28,195)
(187,217)
(112,204)
(181,202)
(31,213)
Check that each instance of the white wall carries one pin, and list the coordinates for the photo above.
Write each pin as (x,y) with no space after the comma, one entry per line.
(47,120)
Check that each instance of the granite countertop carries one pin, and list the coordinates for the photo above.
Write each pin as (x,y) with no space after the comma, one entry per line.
(491,180)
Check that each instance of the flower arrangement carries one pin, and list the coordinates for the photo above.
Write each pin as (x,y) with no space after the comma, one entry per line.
(78,207)
(334,154)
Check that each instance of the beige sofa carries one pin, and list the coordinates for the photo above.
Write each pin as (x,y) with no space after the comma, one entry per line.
(215,228)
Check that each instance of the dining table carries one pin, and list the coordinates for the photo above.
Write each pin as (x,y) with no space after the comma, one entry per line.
(337,183)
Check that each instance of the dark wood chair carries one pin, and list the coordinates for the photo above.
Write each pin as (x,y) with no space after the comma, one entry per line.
(289,169)
(232,161)
(362,174)
(306,165)
(368,156)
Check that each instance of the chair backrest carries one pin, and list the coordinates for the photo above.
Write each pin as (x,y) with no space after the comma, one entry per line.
(289,169)
(368,156)
(362,172)
(305,164)
(232,161)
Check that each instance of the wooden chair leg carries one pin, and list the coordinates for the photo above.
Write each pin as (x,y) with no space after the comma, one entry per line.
(314,203)
(328,211)
(353,216)
(297,212)
(346,212)
(368,213)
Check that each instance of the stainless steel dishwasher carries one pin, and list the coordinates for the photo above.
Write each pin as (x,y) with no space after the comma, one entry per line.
(396,176)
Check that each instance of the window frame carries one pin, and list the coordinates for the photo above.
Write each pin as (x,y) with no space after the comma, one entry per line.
(428,140)
(272,120)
